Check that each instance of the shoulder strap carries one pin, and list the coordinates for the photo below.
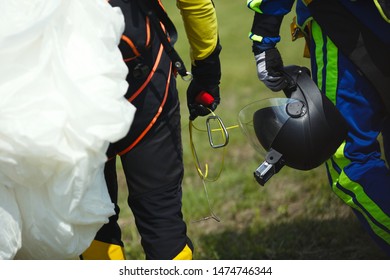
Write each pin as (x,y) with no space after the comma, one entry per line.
(383,7)
(156,13)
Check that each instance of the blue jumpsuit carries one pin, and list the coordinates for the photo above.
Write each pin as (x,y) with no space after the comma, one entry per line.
(358,173)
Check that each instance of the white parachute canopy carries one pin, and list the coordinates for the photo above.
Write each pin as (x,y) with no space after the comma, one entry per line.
(62,86)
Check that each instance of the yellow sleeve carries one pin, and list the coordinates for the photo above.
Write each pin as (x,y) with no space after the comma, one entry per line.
(200,23)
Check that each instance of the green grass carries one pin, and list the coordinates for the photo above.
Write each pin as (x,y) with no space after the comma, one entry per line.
(295,216)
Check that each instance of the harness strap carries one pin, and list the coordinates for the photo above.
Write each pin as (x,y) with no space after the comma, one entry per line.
(152,122)
(157,15)
(383,7)
(166,31)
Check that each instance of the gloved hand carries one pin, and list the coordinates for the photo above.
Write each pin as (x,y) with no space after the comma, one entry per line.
(269,68)
(203,91)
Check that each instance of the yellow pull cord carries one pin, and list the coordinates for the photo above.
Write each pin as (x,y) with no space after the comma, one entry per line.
(195,156)
(212,214)
(215,129)
(204,174)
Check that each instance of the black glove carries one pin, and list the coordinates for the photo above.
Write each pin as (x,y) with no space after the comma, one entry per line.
(203,91)
(270,68)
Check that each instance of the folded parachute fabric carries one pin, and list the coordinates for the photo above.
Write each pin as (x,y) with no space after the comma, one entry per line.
(62,86)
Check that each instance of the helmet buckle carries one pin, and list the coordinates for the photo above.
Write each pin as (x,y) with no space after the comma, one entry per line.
(272,164)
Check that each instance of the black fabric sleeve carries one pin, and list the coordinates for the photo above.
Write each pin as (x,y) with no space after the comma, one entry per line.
(266,25)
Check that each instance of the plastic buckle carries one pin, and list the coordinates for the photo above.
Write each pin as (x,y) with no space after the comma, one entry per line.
(272,164)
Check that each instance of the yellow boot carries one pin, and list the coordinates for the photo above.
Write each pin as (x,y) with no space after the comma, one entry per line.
(99,250)
(185,254)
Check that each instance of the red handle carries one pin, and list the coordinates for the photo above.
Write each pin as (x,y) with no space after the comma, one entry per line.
(204,98)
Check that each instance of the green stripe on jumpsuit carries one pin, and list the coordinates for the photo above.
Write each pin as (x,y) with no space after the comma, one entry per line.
(357,173)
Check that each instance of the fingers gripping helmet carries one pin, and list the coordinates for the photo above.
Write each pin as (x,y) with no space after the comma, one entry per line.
(301,131)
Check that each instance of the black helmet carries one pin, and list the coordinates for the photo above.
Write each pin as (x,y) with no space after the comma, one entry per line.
(301,131)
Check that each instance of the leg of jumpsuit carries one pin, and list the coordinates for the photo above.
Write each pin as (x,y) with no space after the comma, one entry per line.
(357,173)
(154,172)
(153,168)
(107,244)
